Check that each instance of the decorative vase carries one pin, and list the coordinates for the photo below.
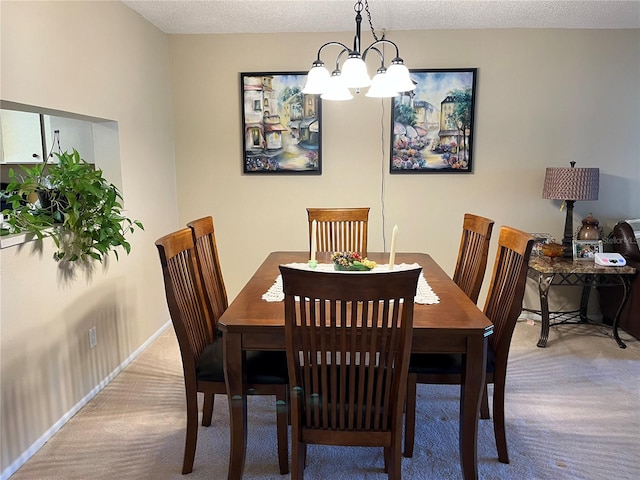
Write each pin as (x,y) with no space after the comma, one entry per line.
(589,230)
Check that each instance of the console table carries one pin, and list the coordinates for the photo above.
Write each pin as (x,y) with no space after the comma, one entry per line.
(577,273)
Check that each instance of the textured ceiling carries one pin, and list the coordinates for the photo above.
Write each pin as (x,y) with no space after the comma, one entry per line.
(263,16)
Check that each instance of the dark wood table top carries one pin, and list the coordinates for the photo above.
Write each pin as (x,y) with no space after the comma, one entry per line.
(455,313)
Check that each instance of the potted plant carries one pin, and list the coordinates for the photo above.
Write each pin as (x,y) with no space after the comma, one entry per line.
(72,203)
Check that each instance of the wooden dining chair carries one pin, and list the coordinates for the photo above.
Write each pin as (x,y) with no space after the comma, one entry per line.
(472,255)
(348,340)
(340,229)
(201,348)
(502,307)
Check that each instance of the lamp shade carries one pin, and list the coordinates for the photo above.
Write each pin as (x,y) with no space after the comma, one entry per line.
(571,183)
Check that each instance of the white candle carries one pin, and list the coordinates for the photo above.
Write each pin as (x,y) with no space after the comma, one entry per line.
(392,253)
(314,228)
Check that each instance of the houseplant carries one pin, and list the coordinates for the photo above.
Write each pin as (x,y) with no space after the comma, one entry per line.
(72,203)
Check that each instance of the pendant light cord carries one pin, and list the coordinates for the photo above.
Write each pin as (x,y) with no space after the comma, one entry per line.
(382,178)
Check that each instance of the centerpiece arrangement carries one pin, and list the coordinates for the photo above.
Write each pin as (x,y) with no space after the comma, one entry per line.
(351,262)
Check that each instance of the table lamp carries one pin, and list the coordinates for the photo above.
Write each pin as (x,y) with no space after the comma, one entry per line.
(569,185)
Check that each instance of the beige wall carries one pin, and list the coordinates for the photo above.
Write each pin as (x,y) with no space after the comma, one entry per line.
(98,59)
(544,97)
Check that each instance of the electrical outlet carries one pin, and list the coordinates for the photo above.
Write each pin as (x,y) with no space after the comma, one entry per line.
(92,337)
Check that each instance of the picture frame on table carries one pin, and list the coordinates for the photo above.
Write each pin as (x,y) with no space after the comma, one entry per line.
(432,126)
(539,240)
(585,250)
(281,126)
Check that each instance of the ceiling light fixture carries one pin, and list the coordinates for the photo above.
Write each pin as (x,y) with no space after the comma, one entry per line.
(388,82)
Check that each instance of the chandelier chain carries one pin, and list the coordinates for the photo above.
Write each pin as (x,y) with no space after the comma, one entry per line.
(373,32)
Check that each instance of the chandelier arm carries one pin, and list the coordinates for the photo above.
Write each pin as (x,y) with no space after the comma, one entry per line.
(380,54)
(344,49)
(377,42)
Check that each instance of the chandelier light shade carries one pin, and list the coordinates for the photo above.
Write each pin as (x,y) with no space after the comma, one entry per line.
(317,79)
(353,71)
(380,87)
(570,184)
(335,89)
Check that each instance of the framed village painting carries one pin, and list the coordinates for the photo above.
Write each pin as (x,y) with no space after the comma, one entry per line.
(281,126)
(432,126)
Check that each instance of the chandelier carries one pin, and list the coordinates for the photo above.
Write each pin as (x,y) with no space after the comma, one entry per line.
(388,82)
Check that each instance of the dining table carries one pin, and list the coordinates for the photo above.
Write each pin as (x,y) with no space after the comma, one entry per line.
(452,324)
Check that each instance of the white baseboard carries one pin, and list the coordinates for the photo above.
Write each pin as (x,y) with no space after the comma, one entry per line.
(37,445)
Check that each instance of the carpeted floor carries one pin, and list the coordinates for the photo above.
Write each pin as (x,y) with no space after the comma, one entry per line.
(573,412)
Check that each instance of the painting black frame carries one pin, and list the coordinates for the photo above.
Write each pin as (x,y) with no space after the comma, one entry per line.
(287,140)
(420,141)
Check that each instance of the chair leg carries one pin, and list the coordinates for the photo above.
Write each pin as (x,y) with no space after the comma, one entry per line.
(207,409)
(394,462)
(192,431)
(282,415)
(298,448)
(410,415)
(298,459)
(484,404)
(385,456)
(304,456)
(498,420)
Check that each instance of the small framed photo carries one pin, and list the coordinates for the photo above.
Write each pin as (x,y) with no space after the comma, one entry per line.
(540,239)
(586,249)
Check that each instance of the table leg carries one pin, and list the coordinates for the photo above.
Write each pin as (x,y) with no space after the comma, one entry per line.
(237,404)
(471,389)
(544,282)
(625,296)
(584,299)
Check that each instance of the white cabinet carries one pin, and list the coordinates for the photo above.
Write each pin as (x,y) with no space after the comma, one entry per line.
(72,133)
(20,137)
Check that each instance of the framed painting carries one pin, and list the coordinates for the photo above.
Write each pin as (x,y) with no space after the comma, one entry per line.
(281,126)
(432,126)
(586,249)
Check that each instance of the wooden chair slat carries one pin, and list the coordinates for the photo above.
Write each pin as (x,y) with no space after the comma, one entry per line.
(340,229)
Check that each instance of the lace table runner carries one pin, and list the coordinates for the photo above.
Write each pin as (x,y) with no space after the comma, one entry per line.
(424,293)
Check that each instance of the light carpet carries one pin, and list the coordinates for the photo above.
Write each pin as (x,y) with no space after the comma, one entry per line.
(572,412)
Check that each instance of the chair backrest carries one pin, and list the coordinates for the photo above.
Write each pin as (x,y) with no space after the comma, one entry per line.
(506,290)
(348,339)
(190,312)
(340,229)
(209,263)
(473,253)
